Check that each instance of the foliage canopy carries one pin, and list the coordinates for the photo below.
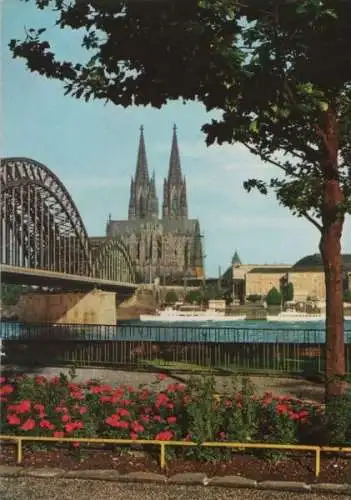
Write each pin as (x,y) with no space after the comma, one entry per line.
(275,69)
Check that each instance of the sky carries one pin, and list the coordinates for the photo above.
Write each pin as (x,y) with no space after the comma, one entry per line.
(92,147)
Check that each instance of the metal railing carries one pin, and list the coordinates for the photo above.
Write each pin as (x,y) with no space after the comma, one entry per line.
(181,348)
(164,444)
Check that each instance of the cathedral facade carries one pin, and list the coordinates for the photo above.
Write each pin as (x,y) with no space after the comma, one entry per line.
(167,246)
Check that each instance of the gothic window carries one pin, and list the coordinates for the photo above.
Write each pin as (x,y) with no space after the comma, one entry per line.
(141,206)
(150,248)
(159,249)
(138,251)
(174,205)
(186,255)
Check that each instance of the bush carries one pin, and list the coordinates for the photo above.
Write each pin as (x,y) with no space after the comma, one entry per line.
(193,297)
(59,407)
(288,292)
(274,297)
(338,417)
(254,298)
(171,297)
(10,294)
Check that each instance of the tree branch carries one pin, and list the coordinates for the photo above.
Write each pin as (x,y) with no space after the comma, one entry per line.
(312,221)
(263,156)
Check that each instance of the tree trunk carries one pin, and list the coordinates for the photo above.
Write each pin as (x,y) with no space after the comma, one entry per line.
(330,247)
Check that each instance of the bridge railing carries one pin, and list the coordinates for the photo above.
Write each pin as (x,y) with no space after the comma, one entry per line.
(191,349)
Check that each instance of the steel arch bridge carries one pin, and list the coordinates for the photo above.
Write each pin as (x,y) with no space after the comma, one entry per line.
(41,227)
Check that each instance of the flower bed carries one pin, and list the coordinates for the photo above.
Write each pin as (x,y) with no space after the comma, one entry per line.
(59,407)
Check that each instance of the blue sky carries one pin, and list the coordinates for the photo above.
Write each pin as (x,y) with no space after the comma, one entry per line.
(92,148)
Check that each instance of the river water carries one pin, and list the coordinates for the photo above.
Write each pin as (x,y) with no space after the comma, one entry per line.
(310,332)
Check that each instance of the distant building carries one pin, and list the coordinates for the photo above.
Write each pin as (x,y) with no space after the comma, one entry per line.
(306,276)
(168,247)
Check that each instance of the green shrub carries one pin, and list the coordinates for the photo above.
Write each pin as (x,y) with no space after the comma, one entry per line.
(274,297)
(288,292)
(171,297)
(254,298)
(338,420)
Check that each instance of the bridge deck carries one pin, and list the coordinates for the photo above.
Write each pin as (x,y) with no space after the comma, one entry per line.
(42,277)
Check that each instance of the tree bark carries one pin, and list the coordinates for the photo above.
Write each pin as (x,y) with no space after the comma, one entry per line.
(330,247)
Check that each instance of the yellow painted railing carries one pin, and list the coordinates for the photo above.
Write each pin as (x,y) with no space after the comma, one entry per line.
(163,444)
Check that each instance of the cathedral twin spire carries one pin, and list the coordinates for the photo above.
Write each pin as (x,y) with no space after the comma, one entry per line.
(143,203)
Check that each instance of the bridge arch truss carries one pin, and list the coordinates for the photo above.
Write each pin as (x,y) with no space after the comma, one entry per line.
(41,227)
(112,261)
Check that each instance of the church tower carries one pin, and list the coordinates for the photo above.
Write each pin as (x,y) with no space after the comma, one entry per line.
(143,202)
(174,188)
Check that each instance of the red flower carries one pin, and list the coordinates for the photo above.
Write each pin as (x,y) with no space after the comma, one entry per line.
(77,395)
(106,399)
(114,421)
(6,389)
(181,387)
(164,436)
(136,427)
(83,409)
(65,418)
(61,409)
(45,424)
(125,402)
(72,426)
(172,419)
(55,380)
(13,419)
(133,435)
(73,387)
(303,414)
(98,389)
(161,400)
(28,425)
(58,434)
(282,408)
(144,394)
(22,407)
(39,407)
(2,380)
(123,412)
(40,380)
(161,376)
(294,416)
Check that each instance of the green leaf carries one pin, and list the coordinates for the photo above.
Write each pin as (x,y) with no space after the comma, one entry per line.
(323,106)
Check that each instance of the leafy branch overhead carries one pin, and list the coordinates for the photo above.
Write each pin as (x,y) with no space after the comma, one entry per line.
(279,71)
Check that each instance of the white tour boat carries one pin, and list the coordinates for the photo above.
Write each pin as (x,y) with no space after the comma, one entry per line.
(170,315)
(296,316)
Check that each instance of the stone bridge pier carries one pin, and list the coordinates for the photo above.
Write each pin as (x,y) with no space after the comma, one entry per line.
(93,307)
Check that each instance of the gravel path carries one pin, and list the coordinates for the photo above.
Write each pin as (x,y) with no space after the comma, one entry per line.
(60,489)
(299,388)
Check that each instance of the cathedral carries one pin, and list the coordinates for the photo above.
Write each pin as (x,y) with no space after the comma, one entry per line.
(168,247)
